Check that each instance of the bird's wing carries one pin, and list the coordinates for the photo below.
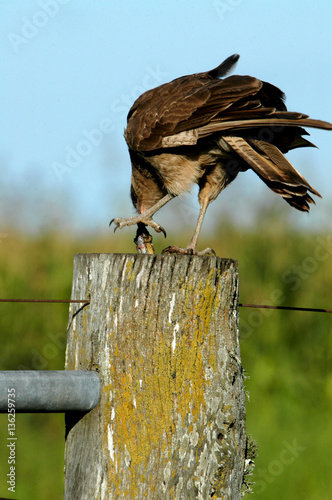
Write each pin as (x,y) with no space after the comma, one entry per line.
(182,105)
(192,107)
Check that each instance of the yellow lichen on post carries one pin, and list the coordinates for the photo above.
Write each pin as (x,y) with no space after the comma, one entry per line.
(162,332)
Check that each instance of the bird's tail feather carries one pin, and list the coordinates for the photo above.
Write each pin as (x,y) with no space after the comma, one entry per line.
(225,67)
(275,170)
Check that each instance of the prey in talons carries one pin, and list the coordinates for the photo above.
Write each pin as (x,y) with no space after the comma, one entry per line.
(143,240)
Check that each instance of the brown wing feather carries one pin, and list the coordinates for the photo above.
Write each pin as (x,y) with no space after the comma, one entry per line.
(203,104)
(183,104)
(282,121)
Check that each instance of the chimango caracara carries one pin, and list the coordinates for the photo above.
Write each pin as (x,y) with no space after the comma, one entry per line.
(204,129)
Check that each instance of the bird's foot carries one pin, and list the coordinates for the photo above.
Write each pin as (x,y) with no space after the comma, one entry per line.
(189,250)
(137,219)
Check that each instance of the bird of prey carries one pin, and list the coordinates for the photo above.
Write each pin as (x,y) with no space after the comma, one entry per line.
(204,129)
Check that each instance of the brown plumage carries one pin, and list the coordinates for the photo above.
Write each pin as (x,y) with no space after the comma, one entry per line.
(202,129)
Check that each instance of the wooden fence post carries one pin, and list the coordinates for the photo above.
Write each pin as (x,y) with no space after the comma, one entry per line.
(162,331)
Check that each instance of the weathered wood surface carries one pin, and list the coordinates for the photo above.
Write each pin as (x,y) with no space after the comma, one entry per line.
(162,331)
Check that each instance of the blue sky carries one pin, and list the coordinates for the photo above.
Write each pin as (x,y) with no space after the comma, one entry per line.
(71,70)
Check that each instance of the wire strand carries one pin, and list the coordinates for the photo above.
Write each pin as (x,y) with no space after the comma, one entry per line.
(287,308)
(52,301)
(254,306)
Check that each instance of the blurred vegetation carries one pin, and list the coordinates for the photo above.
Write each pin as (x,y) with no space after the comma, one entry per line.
(286,354)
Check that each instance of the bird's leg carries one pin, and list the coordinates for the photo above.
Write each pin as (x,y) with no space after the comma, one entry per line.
(210,185)
(193,243)
(145,217)
(191,249)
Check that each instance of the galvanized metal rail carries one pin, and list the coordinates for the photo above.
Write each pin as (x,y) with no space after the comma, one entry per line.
(49,391)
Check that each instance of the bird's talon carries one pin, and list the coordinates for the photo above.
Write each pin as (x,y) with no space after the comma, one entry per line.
(187,251)
(116,224)
(177,250)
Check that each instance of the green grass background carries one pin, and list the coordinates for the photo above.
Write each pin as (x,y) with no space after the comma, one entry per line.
(286,355)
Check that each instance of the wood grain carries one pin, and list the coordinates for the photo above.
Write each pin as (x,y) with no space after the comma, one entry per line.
(162,331)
